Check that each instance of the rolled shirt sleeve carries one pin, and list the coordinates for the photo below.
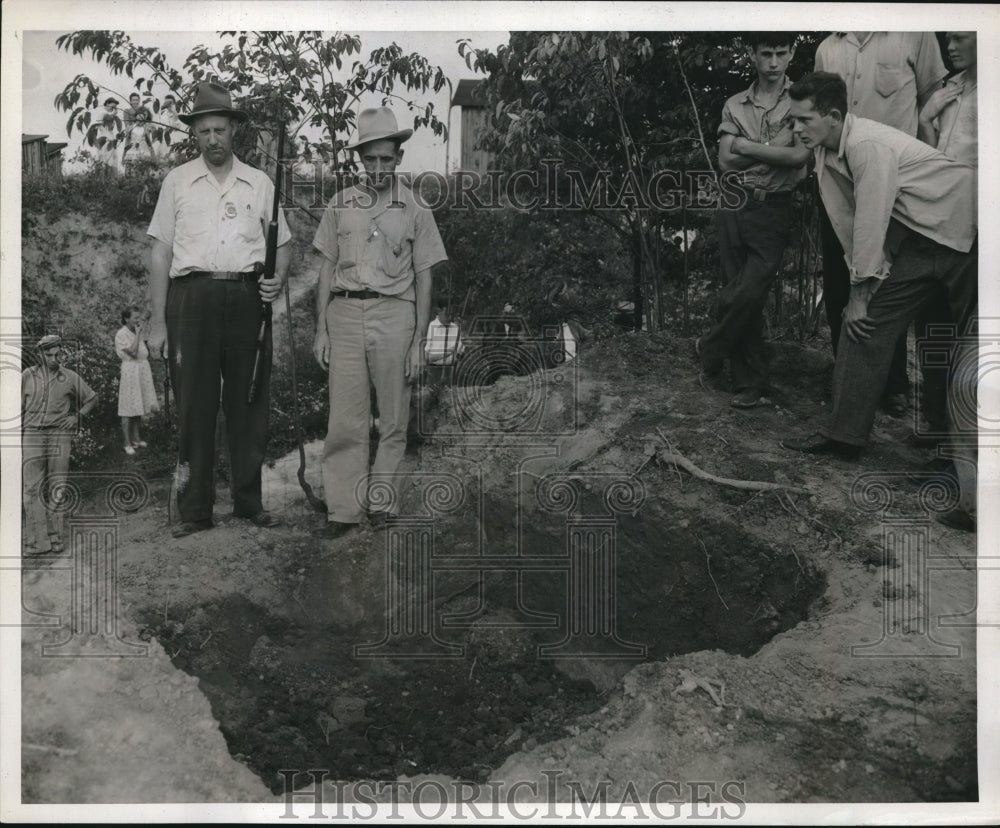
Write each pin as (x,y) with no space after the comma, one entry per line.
(728,125)
(875,169)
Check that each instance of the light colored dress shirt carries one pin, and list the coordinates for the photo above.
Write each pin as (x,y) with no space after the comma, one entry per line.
(879,174)
(213,226)
(885,74)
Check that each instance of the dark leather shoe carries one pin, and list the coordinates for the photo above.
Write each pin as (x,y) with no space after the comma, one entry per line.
(896,405)
(957,519)
(937,468)
(818,444)
(379,520)
(334,529)
(931,440)
(189,527)
(265,520)
(746,398)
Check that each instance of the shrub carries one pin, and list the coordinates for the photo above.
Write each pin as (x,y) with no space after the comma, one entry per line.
(129,197)
(313,398)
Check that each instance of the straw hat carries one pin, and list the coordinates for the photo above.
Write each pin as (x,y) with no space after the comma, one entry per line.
(49,341)
(378,124)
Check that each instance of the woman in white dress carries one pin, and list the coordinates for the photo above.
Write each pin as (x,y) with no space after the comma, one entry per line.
(138,143)
(136,392)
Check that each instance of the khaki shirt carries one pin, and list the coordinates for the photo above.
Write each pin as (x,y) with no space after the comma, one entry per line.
(48,396)
(379,244)
(213,226)
(880,174)
(744,117)
(885,74)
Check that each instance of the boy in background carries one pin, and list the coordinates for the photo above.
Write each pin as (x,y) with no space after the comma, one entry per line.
(755,138)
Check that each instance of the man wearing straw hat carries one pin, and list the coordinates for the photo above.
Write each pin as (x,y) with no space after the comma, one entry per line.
(208,249)
(373,307)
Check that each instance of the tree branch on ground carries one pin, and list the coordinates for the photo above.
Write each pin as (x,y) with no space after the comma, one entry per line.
(679,459)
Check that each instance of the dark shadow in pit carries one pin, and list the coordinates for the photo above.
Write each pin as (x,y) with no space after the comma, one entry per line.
(478,683)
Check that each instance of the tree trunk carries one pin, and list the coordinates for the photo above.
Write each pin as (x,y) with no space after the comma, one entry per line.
(646,277)
(637,309)
(684,230)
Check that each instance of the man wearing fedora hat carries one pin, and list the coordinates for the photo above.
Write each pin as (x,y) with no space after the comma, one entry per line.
(53,399)
(372,310)
(208,249)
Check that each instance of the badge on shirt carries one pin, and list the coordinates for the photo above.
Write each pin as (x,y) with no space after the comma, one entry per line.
(230,210)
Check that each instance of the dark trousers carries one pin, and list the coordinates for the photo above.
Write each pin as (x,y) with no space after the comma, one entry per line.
(921,269)
(752,241)
(935,330)
(212,334)
(837,290)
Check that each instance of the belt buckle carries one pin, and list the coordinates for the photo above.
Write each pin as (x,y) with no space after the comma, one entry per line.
(759,194)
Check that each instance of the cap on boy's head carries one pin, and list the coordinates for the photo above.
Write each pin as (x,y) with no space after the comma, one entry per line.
(49,341)
(110,102)
(756,40)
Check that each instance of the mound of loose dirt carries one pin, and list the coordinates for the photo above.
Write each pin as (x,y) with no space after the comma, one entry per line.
(560,606)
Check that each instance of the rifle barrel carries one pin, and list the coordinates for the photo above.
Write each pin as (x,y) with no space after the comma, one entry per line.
(270,265)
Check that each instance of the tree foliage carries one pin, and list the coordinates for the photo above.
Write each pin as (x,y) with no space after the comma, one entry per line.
(308,79)
(618,107)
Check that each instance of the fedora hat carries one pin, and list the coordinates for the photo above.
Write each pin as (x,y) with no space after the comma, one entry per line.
(211,99)
(378,124)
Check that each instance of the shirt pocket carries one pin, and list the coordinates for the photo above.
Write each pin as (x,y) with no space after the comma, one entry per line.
(249,225)
(347,262)
(397,249)
(779,132)
(889,79)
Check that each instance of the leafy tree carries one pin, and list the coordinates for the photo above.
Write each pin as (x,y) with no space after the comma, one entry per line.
(628,114)
(301,77)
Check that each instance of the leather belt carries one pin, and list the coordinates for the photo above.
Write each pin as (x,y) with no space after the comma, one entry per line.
(357,294)
(760,196)
(223,275)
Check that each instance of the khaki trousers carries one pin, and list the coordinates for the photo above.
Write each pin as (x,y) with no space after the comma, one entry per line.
(369,342)
(45,456)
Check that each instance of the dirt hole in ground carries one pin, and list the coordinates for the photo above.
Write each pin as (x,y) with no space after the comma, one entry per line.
(290,691)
